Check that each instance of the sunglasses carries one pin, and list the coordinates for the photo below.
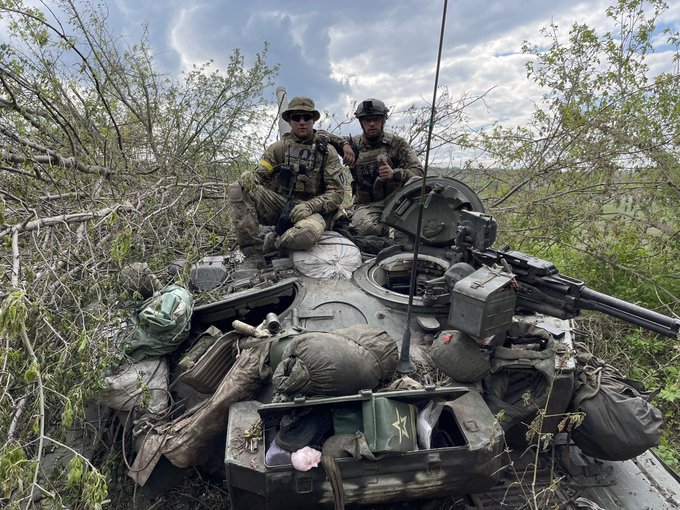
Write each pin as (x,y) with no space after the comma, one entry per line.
(297,117)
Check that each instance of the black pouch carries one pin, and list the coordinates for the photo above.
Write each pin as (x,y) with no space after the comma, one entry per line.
(284,222)
(308,427)
(620,422)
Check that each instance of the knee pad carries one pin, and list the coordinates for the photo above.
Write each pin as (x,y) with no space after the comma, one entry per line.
(370,227)
(304,234)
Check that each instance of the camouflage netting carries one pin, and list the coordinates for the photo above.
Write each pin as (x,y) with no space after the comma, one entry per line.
(186,441)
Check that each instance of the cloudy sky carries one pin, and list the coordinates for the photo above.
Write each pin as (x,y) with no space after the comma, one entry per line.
(343,51)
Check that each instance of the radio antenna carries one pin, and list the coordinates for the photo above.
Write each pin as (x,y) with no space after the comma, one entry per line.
(405,365)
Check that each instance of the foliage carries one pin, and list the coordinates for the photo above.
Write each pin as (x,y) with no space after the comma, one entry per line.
(599,156)
(103,161)
(593,182)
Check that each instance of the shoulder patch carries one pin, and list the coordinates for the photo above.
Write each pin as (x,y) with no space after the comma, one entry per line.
(388,138)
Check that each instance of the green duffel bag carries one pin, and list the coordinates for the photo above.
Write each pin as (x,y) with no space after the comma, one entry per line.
(162,324)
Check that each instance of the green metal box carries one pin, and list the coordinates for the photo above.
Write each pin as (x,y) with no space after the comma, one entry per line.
(469,463)
(483,303)
(390,425)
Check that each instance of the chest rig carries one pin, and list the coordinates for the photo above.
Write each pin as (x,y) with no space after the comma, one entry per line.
(300,175)
(367,187)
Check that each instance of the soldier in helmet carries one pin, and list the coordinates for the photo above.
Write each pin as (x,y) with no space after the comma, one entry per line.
(382,164)
(297,187)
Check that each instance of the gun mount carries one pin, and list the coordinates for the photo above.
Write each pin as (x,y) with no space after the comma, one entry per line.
(539,285)
(453,216)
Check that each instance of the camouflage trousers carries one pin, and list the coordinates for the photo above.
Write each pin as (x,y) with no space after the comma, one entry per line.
(262,206)
(366,219)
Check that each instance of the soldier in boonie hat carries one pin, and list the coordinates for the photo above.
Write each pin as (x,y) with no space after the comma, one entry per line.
(297,188)
(300,104)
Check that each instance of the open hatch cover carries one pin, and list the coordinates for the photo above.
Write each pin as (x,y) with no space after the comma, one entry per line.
(443,200)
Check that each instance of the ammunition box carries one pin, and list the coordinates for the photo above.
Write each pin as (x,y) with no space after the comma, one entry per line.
(483,303)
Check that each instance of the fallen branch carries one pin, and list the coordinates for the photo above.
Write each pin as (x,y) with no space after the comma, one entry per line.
(65,218)
(41,412)
(15,258)
(49,157)
(14,424)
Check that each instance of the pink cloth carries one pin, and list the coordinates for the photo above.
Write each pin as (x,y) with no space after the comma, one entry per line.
(306,458)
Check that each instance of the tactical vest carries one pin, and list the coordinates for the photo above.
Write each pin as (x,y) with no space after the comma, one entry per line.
(367,187)
(300,175)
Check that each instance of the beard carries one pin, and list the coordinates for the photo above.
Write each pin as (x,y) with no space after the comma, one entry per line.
(373,137)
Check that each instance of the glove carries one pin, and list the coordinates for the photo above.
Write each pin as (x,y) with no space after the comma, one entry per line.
(249,180)
(300,212)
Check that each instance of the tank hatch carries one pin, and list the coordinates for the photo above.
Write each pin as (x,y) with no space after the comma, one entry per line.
(443,200)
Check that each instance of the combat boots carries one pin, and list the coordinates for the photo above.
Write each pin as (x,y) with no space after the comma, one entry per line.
(243,217)
(253,258)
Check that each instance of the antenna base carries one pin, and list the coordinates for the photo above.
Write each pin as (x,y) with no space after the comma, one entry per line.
(405,366)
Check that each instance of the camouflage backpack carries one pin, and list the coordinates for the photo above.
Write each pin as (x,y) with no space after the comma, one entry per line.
(519,381)
(162,324)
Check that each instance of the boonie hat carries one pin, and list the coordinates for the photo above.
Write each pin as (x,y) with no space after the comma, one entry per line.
(300,104)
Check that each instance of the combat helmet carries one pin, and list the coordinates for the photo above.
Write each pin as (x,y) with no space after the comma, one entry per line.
(370,107)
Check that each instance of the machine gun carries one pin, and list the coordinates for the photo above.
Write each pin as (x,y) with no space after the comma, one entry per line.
(539,285)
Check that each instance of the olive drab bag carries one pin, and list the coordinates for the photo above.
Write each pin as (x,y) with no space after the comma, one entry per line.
(620,422)
(516,372)
(340,362)
(459,356)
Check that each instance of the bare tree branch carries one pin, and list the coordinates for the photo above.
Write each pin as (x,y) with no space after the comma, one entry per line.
(66,218)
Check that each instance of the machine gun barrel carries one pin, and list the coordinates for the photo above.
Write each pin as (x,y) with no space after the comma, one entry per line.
(541,288)
(643,317)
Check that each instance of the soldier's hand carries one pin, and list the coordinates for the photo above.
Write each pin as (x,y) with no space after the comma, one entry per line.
(385,171)
(249,180)
(348,156)
(300,212)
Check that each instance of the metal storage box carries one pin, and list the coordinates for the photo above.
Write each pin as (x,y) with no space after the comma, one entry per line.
(483,303)
(470,465)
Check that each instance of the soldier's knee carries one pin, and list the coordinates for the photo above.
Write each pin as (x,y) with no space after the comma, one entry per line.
(304,234)
(370,227)
(298,239)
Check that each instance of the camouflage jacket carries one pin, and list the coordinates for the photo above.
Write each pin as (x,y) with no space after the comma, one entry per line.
(366,186)
(304,170)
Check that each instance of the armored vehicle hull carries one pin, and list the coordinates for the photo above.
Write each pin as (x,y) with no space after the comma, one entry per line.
(482,465)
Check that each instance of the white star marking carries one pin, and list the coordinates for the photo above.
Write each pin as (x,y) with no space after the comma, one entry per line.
(400,425)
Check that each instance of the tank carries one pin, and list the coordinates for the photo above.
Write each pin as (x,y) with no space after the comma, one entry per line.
(450,279)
